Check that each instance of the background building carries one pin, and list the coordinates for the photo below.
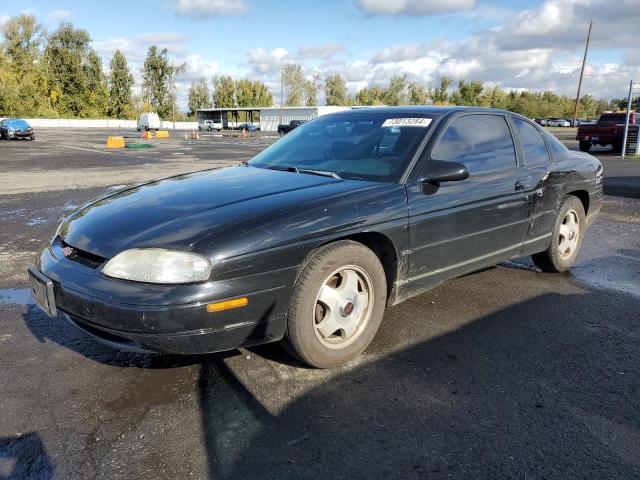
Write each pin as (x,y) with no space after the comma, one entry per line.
(267,117)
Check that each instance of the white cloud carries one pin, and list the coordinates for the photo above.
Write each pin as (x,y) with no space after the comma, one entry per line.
(197,68)
(413,7)
(536,49)
(135,49)
(202,9)
(3,19)
(323,52)
(58,16)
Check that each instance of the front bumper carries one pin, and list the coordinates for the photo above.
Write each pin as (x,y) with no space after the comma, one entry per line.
(20,134)
(167,318)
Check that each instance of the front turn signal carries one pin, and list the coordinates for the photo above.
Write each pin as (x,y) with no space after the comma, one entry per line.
(227,304)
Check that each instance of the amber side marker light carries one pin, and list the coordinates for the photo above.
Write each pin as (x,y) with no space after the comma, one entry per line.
(227,304)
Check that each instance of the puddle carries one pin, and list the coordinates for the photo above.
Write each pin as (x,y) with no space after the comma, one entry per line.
(15,296)
(36,221)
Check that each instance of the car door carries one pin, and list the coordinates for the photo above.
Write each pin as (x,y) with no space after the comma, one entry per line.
(466,225)
(544,196)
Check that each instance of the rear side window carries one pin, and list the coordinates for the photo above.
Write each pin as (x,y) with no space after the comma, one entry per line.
(481,142)
(612,119)
(535,150)
(557,148)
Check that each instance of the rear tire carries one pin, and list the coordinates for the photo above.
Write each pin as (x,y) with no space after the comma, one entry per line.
(337,304)
(566,239)
(585,146)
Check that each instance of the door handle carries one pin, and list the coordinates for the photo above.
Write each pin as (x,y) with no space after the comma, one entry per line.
(523,185)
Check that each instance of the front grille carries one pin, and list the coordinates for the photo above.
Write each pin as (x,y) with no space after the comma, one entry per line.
(75,254)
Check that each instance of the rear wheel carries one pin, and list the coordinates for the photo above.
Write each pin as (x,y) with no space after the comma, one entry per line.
(566,240)
(337,305)
(585,145)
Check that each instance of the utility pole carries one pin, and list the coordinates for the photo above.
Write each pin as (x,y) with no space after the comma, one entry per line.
(584,61)
(281,92)
(626,122)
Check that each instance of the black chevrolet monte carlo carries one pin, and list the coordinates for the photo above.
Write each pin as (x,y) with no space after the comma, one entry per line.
(312,238)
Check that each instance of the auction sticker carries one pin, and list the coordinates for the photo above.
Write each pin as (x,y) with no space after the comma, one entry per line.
(407,122)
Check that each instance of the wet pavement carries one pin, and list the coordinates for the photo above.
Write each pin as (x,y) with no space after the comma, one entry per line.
(505,373)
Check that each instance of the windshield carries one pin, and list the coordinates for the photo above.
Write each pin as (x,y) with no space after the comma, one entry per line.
(17,123)
(367,145)
(612,119)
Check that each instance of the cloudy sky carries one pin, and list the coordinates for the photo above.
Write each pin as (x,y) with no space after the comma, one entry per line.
(522,44)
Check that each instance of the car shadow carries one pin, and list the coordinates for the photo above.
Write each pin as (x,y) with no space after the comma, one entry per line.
(23,457)
(541,389)
(60,331)
(544,388)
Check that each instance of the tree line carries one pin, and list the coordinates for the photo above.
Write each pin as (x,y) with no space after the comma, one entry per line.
(58,74)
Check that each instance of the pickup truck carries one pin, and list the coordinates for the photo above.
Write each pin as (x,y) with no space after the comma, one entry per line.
(609,130)
(283,129)
(209,125)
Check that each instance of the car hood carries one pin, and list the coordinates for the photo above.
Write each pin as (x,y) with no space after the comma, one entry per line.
(178,211)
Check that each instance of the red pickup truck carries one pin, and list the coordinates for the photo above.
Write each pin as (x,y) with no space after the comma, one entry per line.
(608,131)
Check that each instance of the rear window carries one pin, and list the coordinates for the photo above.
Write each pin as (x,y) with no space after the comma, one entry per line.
(612,119)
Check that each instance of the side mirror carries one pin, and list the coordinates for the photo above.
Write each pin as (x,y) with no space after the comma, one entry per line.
(437,171)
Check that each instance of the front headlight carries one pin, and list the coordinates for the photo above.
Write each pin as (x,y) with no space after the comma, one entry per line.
(156,265)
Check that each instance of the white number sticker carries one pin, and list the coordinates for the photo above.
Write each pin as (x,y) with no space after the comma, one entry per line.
(407,122)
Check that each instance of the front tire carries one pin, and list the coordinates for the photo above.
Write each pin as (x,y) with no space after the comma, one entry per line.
(585,146)
(337,305)
(566,240)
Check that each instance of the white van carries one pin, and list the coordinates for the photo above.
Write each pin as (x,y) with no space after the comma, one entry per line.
(149,121)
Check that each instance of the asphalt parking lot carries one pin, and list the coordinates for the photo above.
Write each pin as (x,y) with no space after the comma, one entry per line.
(505,373)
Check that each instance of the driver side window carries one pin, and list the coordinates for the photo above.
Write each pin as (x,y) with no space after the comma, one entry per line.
(483,143)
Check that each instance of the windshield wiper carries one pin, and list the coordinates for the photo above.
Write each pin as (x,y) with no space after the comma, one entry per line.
(294,169)
(324,173)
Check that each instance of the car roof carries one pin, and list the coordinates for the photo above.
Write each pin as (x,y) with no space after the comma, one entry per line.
(433,110)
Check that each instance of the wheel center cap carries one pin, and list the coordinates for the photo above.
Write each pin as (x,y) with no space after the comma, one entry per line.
(347,308)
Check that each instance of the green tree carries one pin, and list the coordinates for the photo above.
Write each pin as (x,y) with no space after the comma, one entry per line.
(336,90)
(157,74)
(98,93)
(396,91)
(418,95)
(494,98)
(198,97)
(120,82)
(586,106)
(311,87)
(253,94)
(440,94)
(23,84)
(9,94)
(468,93)
(369,96)
(602,106)
(67,63)
(294,85)
(224,90)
